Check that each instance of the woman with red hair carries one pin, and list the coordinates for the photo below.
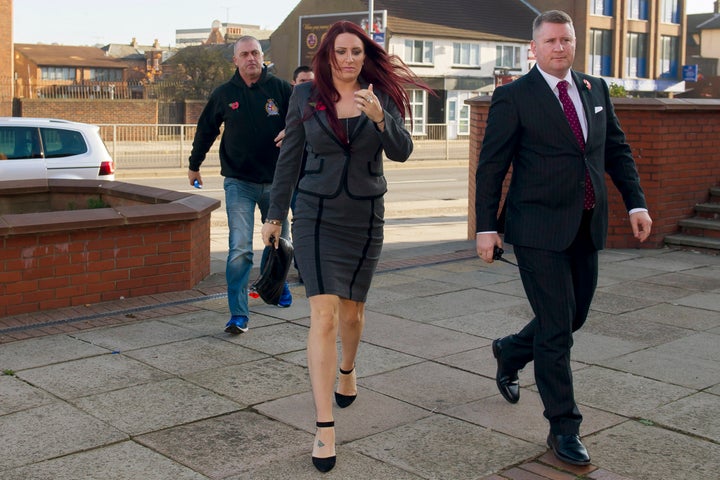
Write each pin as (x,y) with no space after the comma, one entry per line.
(352,113)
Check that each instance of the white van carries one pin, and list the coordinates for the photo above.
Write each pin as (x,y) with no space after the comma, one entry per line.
(33,148)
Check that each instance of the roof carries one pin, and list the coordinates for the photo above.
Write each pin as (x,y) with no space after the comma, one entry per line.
(66,56)
(509,20)
(710,24)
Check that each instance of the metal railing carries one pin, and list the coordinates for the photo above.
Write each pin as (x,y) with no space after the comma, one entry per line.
(142,146)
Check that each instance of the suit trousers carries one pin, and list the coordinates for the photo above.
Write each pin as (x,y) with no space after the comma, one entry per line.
(560,288)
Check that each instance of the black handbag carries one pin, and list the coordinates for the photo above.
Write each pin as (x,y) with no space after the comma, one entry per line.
(269,285)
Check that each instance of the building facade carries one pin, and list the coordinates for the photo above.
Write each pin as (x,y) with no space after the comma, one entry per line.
(461,49)
(6,58)
(637,44)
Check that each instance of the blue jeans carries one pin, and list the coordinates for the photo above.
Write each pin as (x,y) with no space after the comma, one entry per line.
(240,200)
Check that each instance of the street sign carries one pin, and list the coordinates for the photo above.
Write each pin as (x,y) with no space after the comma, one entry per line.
(690,73)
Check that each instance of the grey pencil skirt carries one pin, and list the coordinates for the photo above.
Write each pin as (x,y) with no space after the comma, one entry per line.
(337,244)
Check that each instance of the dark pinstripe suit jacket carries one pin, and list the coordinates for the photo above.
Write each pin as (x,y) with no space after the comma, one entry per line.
(527,128)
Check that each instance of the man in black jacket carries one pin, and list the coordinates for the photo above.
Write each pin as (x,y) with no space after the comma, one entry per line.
(252,106)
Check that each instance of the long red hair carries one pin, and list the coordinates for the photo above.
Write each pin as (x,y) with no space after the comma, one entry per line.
(388,73)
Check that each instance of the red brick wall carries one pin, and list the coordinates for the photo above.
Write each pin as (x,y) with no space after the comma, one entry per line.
(193,109)
(92,111)
(676,144)
(6,57)
(43,271)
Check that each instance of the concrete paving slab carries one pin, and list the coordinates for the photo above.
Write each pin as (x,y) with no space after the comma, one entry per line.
(350,466)
(230,444)
(616,304)
(665,261)
(647,290)
(620,271)
(591,347)
(50,431)
(696,415)
(254,382)
(414,338)
(36,352)
(90,376)
(675,315)
(705,300)
(136,335)
(440,447)
(16,395)
(647,452)
(204,322)
(470,301)
(483,324)
(700,345)
(122,461)
(273,339)
(300,307)
(369,414)
(154,406)
(524,420)
(687,371)
(695,279)
(623,393)
(511,287)
(635,330)
(195,355)
(480,361)
(450,386)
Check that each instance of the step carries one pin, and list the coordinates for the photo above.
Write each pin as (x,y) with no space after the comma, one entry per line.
(681,240)
(708,210)
(700,223)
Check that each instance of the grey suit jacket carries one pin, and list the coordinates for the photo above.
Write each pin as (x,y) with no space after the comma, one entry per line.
(331,166)
(527,128)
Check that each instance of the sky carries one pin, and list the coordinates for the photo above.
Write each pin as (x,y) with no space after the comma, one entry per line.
(91,22)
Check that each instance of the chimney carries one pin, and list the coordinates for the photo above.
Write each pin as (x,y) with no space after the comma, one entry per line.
(156,43)
(133,43)
(717,6)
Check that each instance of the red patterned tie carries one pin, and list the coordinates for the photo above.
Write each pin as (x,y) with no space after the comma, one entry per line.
(571,114)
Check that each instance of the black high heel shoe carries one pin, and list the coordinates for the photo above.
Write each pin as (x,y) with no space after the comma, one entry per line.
(345,400)
(327,463)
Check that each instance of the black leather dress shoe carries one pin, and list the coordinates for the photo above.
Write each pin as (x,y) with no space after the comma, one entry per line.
(569,449)
(506,380)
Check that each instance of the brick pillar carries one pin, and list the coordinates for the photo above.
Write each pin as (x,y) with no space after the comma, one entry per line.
(6,57)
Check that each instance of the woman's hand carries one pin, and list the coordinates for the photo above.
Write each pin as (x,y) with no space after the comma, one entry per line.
(271,234)
(368,103)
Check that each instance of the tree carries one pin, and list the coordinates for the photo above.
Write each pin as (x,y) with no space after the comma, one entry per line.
(196,71)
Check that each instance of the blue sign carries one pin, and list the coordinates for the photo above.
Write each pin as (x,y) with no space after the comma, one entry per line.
(690,73)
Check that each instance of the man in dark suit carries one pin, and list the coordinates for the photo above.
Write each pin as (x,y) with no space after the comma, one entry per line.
(558,130)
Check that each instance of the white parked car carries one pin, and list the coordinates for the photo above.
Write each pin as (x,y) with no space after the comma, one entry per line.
(50,148)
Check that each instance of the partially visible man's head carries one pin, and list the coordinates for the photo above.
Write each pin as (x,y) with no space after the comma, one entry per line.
(302,74)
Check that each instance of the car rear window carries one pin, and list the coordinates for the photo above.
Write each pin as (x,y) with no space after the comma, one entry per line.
(18,143)
(62,143)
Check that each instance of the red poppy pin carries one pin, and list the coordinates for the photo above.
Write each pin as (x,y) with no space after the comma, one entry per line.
(587,84)
(234,105)
(317,106)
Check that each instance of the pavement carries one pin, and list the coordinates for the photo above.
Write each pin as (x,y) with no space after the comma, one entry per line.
(152,388)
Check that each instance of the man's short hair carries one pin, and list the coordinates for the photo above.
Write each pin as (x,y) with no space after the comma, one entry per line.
(299,70)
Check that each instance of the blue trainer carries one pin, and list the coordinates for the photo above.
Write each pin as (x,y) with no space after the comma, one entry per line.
(285,297)
(237,324)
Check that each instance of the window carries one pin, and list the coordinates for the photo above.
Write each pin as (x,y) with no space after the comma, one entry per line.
(508,56)
(466,54)
(668,57)
(599,52)
(104,74)
(601,7)
(636,55)
(638,9)
(670,13)
(62,143)
(418,51)
(417,106)
(19,143)
(57,73)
